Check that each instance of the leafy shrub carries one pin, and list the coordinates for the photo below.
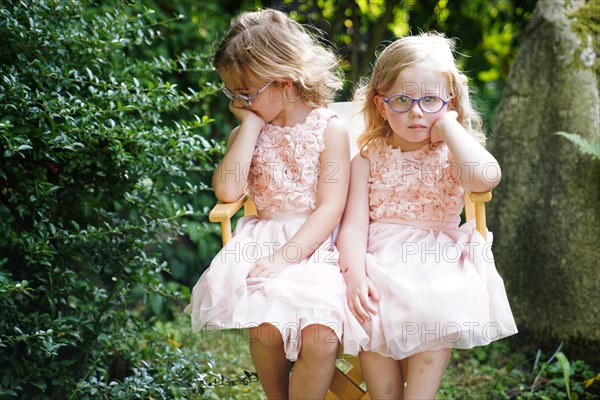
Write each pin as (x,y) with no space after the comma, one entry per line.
(95,165)
(169,363)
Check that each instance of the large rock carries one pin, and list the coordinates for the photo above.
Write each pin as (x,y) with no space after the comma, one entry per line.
(545,213)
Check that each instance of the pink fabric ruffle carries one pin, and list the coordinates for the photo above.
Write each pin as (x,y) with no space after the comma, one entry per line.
(285,166)
(414,185)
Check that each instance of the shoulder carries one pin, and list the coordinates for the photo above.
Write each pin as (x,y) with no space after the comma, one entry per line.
(335,129)
(375,149)
(360,162)
(327,125)
(336,139)
(360,166)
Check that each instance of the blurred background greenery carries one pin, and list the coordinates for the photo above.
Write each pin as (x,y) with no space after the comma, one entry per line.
(111,122)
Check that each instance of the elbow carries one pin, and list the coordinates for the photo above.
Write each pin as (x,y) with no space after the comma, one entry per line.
(227,194)
(484,179)
(483,183)
(330,215)
(227,197)
(482,187)
(337,214)
(491,176)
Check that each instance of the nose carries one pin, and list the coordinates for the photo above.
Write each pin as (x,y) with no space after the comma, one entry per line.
(415,109)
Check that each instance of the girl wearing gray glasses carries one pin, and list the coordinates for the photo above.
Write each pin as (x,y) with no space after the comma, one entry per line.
(279,276)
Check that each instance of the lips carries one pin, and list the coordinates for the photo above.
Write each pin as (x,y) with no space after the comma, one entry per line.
(417,126)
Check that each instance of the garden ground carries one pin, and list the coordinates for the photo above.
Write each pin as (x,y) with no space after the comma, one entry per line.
(507,369)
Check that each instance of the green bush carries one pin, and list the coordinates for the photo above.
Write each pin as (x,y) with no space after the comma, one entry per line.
(169,363)
(96,164)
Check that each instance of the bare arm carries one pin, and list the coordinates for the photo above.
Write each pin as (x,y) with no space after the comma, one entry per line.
(352,242)
(476,169)
(352,239)
(230,176)
(334,175)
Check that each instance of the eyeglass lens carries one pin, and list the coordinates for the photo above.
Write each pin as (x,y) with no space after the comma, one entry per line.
(246,100)
(403,103)
(236,97)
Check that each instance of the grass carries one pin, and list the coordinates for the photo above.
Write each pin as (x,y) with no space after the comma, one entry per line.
(507,369)
(229,356)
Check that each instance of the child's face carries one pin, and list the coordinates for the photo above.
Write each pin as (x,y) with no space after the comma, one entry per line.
(412,128)
(253,94)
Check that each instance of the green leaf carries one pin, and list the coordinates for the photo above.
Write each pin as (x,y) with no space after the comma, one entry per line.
(585,146)
(564,363)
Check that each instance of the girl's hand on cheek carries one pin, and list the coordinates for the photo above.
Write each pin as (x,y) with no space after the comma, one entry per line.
(441,126)
(245,116)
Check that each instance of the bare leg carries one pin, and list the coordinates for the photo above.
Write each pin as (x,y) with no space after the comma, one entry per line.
(424,373)
(273,369)
(314,368)
(383,376)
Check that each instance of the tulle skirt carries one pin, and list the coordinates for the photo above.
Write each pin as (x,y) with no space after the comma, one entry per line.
(309,292)
(438,289)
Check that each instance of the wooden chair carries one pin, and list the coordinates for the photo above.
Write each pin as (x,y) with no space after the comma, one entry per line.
(347,378)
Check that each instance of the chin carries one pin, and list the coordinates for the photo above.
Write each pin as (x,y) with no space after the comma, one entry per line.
(422,140)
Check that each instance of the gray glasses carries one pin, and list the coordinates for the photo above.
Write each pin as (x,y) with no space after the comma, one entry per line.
(245,99)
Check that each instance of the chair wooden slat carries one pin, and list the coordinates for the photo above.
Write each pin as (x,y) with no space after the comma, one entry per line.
(344,388)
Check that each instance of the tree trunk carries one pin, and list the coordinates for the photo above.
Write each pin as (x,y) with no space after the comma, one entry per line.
(545,213)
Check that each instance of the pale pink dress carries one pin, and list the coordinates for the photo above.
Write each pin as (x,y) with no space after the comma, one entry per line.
(283,180)
(438,284)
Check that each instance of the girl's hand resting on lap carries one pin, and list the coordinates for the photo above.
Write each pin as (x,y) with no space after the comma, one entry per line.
(361,295)
(268,267)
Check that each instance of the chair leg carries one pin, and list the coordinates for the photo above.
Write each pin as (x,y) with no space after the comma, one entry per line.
(343,387)
(355,373)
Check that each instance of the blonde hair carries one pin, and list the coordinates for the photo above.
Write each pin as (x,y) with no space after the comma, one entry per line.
(272,46)
(432,50)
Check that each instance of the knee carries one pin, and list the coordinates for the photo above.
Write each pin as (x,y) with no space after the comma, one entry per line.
(319,342)
(266,335)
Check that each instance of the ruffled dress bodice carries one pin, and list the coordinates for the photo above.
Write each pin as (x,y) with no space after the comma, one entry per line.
(284,173)
(414,185)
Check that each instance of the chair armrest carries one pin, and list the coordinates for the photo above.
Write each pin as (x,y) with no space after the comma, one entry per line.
(224,211)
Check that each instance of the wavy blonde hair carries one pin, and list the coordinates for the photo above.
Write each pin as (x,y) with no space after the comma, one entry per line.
(272,46)
(432,50)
